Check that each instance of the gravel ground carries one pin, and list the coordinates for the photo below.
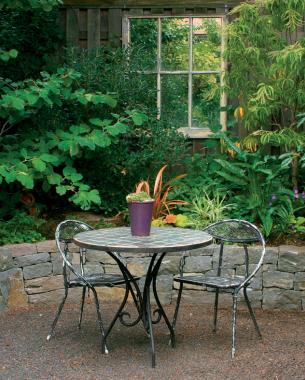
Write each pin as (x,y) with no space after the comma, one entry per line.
(199,354)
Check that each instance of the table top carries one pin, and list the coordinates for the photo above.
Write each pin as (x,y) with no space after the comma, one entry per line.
(119,239)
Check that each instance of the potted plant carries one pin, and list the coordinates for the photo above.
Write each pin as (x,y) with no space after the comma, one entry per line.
(140,206)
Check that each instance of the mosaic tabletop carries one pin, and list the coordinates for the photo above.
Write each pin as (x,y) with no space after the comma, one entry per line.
(164,239)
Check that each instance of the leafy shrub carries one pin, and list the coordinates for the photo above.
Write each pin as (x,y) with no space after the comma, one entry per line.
(36,36)
(21,228)
(145,148)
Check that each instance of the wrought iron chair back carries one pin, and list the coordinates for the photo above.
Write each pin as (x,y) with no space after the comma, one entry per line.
(227,232)
(240,232)
(63,236)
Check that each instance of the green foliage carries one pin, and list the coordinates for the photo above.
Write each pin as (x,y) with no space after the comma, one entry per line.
(206,209)
(45,5)
(33,38)
(145,148)
(22,228)
(260,188)
(268,72)
(298,224)
(36,157)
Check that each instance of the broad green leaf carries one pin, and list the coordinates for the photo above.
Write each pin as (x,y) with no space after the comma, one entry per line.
(117,129)
(38,164)
(31,98)
(64,145)
(97,122)
(54,179)
(79,129)
(22,167)
(74,149)
(61,190)
(46,186)
(13,53)
(233,179)
(46,157)
(75,177)
(100,138)
(68,170)
(24,153)
(25,179)
(138,118)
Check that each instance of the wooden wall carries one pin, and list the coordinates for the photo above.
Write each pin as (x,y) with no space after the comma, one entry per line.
(90,27)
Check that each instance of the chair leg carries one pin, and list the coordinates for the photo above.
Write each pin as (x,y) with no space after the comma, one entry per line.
(60,307)
(82,307)
(215,310)
(252,313)
(99,317)
(234,325)
(177,306)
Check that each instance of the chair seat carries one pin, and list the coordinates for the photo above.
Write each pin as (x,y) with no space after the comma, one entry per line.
(104,279)
(212,281)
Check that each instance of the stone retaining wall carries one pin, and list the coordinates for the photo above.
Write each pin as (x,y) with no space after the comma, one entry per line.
(32,274)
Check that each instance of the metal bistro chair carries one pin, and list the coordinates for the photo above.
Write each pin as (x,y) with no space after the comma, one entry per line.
(227,231)
(63,237)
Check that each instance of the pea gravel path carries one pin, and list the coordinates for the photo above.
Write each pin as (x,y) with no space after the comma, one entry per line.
(200,354)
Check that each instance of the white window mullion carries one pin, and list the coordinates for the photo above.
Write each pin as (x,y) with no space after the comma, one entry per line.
(159,69)
(223,96)
(190,73)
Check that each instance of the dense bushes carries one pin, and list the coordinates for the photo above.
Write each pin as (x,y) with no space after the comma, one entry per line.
(85,133)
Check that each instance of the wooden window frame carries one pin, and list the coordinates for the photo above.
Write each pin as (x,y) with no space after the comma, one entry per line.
(189,131)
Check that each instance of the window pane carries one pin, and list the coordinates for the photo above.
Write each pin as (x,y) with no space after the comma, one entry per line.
(174,43)
(146,84)
(206,43)
(206,101)
(174,93)
(143,42)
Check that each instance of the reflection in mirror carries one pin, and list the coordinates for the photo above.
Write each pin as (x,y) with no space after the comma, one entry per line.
(206,102)
(174,43)
(143,39)
(206,43)
(174,102)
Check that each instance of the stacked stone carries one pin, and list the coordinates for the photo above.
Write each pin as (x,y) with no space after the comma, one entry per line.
(32,273)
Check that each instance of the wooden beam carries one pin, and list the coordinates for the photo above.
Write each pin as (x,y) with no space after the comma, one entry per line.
(150,3)
(72,28)
(94,28)
(115,26)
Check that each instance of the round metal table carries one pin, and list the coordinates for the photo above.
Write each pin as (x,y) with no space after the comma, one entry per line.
(161,240)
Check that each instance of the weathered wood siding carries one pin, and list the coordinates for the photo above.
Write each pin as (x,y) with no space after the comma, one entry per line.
(150,3)
(91,27)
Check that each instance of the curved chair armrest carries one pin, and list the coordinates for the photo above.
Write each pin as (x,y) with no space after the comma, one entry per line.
(70,266)
(249,278)
(182,262)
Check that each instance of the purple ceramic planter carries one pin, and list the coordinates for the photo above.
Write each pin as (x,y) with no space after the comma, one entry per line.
(140,217)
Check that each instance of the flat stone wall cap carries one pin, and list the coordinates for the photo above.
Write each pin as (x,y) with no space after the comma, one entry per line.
(22,249)
(292,248)
(46,246)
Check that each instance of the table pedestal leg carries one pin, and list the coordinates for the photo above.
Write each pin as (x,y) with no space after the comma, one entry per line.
(142,302)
